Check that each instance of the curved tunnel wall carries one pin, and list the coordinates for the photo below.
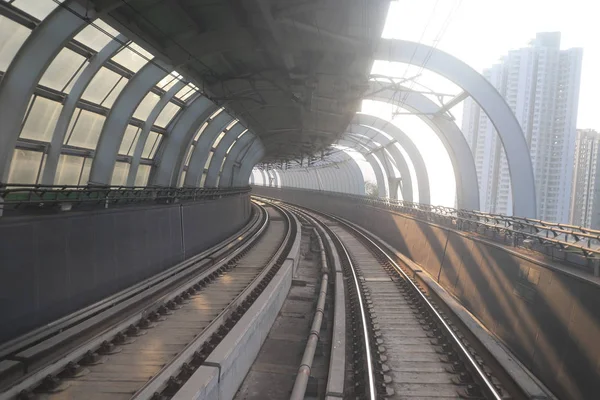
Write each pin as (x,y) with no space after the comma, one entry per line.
(54,265)
(344,175)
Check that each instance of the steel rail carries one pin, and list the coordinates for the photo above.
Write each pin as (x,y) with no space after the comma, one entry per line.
(159,381)
(363,316)
(179,286)
(489,386)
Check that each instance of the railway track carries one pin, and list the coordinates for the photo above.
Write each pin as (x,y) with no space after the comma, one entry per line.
(146,342)
(401,341)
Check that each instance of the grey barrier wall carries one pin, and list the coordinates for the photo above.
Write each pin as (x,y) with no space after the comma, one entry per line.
(547,315)
(53,265)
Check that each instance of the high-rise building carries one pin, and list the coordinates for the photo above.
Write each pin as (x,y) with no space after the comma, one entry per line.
(585,198)
(541,85)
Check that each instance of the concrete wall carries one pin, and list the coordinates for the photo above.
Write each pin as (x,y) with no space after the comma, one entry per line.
(548,316)
(53,265)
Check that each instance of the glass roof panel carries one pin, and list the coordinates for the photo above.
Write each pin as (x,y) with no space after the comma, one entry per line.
(129,141)
(219,111)
(218,139)
(25,166)
(119,176)
(13,35)
(167,114)
(132,57)
(37,8)
(186,92)
(209,159)
(85,174)
(69,169)
(143,173)
(100,85)
(61,70)
(41,119)
(168,81)
(87,129)
(115,93)
(231,124)
(202,128)
(146,106)
(151,144)
(96,35)
(188,156)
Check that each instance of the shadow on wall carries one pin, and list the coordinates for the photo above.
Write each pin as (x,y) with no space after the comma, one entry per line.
(547,317)
(54,265)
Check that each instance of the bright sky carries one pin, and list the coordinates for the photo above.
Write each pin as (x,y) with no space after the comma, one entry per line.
(479,32)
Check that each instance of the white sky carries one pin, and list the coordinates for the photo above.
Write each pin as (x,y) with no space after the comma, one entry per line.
(479,32)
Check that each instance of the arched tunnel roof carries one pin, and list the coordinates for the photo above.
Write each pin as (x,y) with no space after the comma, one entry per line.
(195,93)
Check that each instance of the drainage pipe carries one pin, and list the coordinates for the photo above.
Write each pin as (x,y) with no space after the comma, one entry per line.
(309,351)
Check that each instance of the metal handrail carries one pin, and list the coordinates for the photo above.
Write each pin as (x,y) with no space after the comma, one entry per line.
(15,195)
(564,237)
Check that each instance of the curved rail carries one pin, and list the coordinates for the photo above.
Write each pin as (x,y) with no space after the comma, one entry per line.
(155,302)
(487,385)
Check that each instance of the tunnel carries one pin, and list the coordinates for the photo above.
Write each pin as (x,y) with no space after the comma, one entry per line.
(149,148)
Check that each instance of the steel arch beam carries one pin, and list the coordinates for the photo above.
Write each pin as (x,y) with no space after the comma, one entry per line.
(488,98)
(118,118)
(26,69)
(386,146)
(173,148)
(203,147)
(461,157)
(240,146)
(407,144)
(220,154)
(70,105)
(372,160)
(141,143)
(254,155)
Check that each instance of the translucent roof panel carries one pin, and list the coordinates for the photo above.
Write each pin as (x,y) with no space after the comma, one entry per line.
(101,85)
(120,172)
(151,145)
(219,138)
(186,92)
(41,119)
(114,93)
(13,35)
(231,124)
(132,57)
(188,156)
(219,111)
(209,159)
(146,106)
(96,35)
(143,173)
(168,81)
(167,114)
(25,166)
(84,129)
(129,141)
(62,69)
(202,128)
(85,173)
(69,170)
(37,8)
